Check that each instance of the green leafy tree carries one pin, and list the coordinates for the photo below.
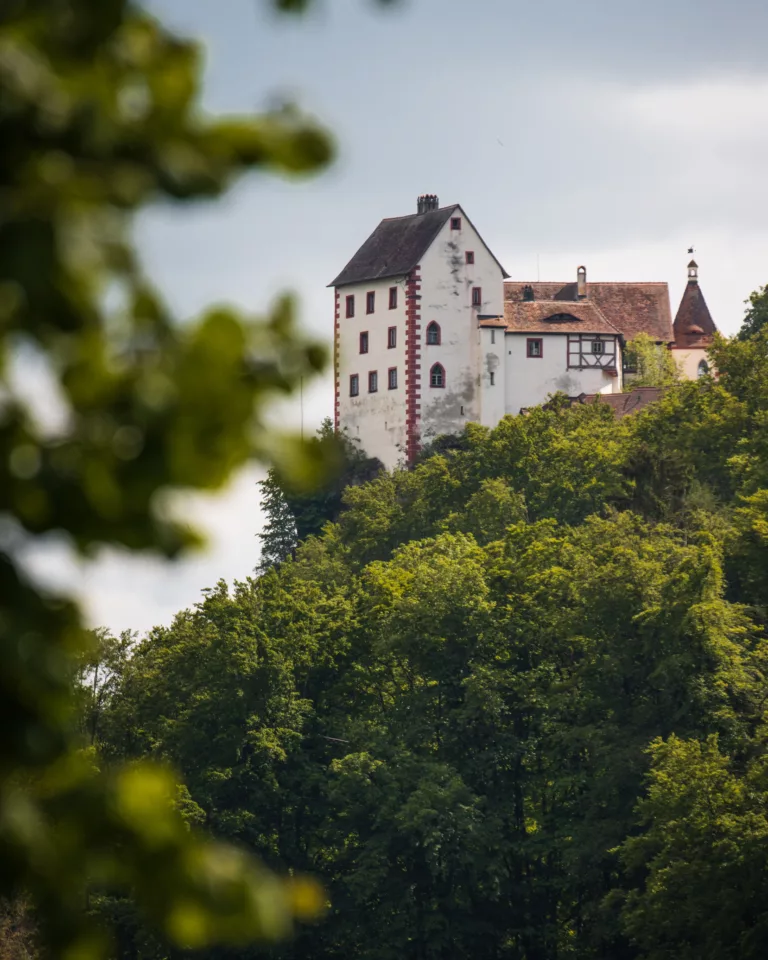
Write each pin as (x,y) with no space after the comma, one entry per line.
(701,861)
(653,364)
(756,314)
(294,513)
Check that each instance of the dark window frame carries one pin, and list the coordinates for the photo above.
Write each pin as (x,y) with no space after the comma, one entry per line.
(477,296)
(391,338)
(455,223)
(434,326)
(390,385)
(469,256)
(350,306)
(373,378)
(370,302)
(354,384)
(534,356)
(393,298)
(364,339)
(433,370)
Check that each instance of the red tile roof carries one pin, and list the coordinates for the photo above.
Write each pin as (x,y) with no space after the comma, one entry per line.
(624,403)
(632,308)
(693,325)
(554,316)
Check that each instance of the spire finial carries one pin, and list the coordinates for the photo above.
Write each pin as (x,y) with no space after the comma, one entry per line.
(693,269)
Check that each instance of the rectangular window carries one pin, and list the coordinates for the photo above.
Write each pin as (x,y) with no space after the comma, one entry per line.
(373,382)
(392,378)
(364,342)
(455,223)
(477,296)
(393,298)
(392,337)
(370,301)
(469,256)
(351,305)
(598,346)
(493,378)
(535,348)
(354,385)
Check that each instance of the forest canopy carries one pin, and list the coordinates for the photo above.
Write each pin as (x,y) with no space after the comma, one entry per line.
(507,704)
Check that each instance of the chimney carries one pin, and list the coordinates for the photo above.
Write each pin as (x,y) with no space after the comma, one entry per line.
(427,202)
(693,272)
(581,283)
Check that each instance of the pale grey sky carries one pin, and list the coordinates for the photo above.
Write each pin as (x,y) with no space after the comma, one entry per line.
(603,132)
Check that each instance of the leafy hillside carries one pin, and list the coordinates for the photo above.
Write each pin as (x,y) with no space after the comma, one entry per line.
(509,705)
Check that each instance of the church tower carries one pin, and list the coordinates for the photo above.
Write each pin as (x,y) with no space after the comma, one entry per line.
(693,328)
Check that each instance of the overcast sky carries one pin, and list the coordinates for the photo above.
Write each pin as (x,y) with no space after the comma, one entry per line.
(603,132)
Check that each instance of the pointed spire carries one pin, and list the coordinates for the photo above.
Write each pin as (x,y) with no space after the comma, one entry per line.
(693,324)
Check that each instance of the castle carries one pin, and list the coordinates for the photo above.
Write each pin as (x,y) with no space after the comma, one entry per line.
(431,333)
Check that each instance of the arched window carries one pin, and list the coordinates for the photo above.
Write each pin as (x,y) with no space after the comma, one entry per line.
(433,333)
(703,368)
(437,376)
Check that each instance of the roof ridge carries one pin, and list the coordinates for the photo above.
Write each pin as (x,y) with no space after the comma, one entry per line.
(408,216)
(616,283)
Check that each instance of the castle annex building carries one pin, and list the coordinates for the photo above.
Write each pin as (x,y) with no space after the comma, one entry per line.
(431,333)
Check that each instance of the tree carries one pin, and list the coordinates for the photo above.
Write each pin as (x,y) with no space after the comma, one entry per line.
(701,861)
(653,363)
(756,314)
(99,117)
(294,513)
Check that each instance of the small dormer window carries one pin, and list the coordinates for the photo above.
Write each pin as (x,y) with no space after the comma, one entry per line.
(528,293)
(455,223)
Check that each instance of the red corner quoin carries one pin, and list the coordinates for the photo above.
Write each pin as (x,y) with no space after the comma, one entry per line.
(336,334)
(412,364)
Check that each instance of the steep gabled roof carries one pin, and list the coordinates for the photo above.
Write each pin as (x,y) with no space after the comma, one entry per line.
(632,308)
(397,245)
(555,316)
(693,325)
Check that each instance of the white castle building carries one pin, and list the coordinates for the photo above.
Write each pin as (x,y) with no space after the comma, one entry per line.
(431,333)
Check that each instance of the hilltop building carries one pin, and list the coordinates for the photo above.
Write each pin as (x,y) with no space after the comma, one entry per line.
(693,329)
(431,333)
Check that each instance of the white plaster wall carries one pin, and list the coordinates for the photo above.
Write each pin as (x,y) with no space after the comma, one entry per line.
(530,380)
(493,395)
(688,361)
(446,296)
(377,420)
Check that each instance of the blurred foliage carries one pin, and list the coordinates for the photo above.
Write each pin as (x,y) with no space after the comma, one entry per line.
(99,116)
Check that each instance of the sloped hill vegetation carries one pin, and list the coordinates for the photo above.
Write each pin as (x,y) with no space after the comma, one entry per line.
(509,704)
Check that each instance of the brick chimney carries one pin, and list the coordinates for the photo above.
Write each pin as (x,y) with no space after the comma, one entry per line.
(427,202)
(581,283)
